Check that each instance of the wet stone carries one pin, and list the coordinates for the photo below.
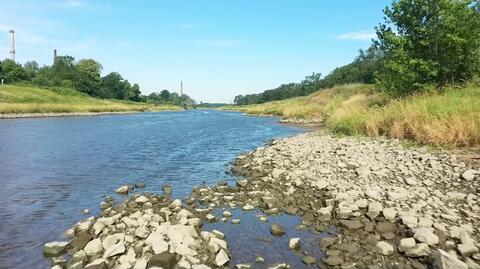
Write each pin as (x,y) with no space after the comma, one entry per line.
(351,224)
(81,240)
(164,260)
(309,260)
(334,260)
(277,230)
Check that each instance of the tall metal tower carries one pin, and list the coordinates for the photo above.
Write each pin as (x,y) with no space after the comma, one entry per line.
(12,45)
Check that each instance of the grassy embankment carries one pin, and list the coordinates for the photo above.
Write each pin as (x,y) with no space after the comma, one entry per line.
(16,99)
(448,118)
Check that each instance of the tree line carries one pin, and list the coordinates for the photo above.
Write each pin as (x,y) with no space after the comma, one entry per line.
(84,76)
(420,45)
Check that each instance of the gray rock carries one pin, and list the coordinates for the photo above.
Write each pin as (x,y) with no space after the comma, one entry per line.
(93,247)
(81,239)
(123,190)
(294,243)
(445,260)
(309,260)
(406,244)
(419,250)
(384,248)
(351,224)
(221,258)
(97,264)
(333,260)
(390,213)
(469,175)
(425,235)
(277,230)
(114,250)
(374,209)
(164,260)
(54,248)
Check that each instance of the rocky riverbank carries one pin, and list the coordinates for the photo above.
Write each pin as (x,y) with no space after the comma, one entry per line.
(392,208)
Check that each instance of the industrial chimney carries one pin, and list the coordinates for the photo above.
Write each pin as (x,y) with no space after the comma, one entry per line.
(181,88)
(54,55)
(12,45)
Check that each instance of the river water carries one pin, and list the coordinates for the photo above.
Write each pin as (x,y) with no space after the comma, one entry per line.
(52,168)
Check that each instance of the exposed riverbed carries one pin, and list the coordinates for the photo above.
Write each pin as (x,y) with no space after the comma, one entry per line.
(52,168)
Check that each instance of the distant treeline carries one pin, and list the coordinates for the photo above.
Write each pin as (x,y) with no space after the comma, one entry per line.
(421,45)
(360,70)
(84,76)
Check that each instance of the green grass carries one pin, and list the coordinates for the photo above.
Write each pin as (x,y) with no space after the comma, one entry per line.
(446,118)
(28,99)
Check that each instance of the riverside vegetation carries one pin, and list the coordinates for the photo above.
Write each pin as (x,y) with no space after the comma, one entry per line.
(24,100)
(449,117)
(417,81)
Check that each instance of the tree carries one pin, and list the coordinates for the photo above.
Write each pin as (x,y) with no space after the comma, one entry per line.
(135,92)
(62,70)
(428,43)
(31,69)
(12,71)
(88,79)
(165,95)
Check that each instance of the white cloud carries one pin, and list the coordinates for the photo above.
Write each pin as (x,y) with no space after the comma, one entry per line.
(360,35)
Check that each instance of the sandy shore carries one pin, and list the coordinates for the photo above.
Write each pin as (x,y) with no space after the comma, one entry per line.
(391,207)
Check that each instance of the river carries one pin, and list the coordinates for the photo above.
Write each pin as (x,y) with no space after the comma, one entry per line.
(52,168)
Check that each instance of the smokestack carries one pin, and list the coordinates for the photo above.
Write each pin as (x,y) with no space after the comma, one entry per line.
(12,45)
(54,55)
(181,88)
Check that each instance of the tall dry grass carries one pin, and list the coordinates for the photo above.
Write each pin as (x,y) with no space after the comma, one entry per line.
(447,118)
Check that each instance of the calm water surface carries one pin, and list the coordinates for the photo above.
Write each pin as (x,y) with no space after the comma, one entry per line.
(52,168)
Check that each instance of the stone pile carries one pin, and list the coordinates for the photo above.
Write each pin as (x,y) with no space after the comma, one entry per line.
(394,207)
(144,231)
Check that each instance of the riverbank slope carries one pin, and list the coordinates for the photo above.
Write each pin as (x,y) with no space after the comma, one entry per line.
(28,101)
(450,117)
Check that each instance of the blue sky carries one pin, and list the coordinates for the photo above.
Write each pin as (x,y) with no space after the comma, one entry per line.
(218,48)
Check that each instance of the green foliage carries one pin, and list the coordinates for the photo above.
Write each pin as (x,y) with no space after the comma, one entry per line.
(84,76)
(428,43)
(12,71)
(166,97)
(361,70)
(31,69)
